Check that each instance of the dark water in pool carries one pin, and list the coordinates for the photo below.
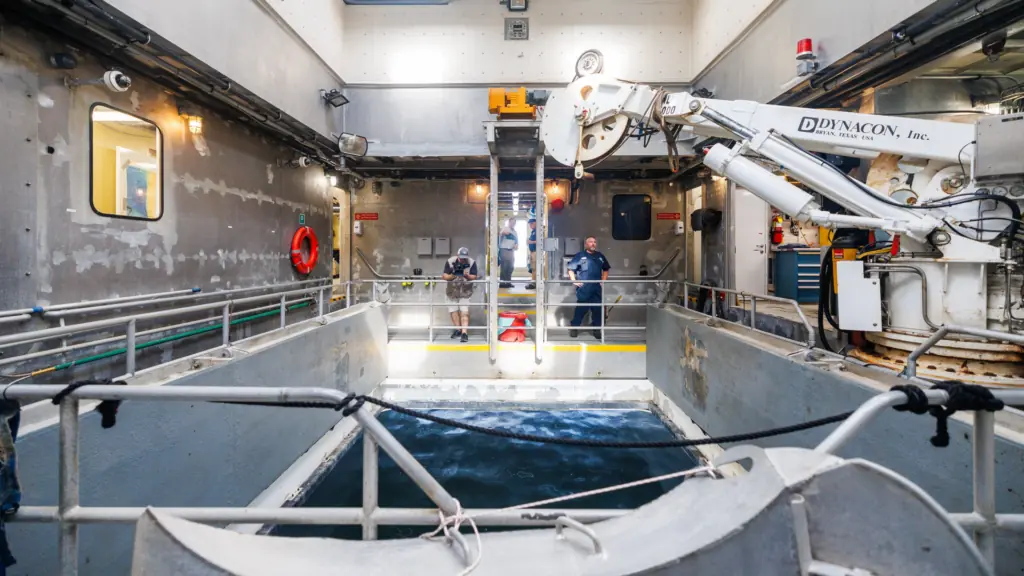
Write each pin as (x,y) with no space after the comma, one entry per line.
(488,472)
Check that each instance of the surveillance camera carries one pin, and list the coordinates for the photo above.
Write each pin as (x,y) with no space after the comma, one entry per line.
(117,81)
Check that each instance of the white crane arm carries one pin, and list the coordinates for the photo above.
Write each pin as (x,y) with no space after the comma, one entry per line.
(590,119)
(829,131)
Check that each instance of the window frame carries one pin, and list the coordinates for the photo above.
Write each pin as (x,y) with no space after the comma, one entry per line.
(650,228)
(159,160)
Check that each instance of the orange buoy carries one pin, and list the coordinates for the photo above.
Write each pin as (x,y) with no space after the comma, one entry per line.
(305,265)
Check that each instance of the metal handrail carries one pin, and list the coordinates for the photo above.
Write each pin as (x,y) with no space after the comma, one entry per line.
(47,333)
(14,318)
(113,339)
(130,322)
(38,309)
(653,276)
(983,521)
(431,304)
(389,276)
(811,340)
(74,311)
(69,514)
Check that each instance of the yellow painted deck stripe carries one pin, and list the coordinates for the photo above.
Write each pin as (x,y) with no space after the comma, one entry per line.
(455,347)
(525,345)
(598,347)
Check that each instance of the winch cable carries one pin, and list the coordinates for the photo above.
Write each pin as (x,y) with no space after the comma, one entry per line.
(962,396)
(352,402)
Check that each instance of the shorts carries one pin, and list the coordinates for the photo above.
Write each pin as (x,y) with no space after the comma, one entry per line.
(458,305)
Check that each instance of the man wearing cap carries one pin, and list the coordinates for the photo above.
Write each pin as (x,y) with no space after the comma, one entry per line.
(532,243)
(459,270)
(588,265)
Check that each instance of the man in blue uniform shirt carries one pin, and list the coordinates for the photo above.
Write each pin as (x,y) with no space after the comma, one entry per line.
(588,265)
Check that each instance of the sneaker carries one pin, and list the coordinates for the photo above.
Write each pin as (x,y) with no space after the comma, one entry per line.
(597,334)
(455,334)
(531,286)
(505,285)
(574,333)
(465,338)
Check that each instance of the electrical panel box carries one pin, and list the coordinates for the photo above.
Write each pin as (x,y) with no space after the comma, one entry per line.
(998,148)
(552,244)
(572,246)
(517,28)
(424,247)
(859,298)
(442,247)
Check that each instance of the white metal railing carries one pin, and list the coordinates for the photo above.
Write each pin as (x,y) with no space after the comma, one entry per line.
(129,322)
(744,296)
(39,309)
(542,305)
(92,308)
(69,514)
(983,521)
(431,304)
(601,307)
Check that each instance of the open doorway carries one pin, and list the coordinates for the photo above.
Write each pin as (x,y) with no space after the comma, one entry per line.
(518,206)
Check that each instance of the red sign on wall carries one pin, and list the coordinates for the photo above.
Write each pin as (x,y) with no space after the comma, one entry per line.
(669,216)
(367,216)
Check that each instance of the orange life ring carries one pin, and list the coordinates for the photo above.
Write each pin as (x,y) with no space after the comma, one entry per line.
(305,266)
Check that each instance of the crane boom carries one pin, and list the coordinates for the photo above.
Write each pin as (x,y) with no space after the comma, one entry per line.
(591,118)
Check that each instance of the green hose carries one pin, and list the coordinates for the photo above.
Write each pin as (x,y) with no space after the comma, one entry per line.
(166,339)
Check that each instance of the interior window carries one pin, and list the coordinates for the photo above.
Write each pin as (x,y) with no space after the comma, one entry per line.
(631,217)
(127,158)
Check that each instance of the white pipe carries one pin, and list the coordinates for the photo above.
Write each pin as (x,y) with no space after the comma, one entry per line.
(832,184)
(830,220)
(772,189)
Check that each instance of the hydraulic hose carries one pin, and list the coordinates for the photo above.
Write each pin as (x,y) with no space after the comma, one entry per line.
(824,298)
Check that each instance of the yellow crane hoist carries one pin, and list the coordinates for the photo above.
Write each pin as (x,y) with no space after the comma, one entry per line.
(517,103)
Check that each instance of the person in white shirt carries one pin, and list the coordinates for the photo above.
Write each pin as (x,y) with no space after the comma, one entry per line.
(508,243)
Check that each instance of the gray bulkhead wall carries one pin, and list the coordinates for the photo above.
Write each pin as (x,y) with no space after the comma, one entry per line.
(440,121)
(251,42)
(228,214)
(418,209)
(765,59)
(229,210)
(406,212)
(733,381)
(592,216)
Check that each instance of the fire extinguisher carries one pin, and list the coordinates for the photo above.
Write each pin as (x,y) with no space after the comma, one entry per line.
(777,229)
